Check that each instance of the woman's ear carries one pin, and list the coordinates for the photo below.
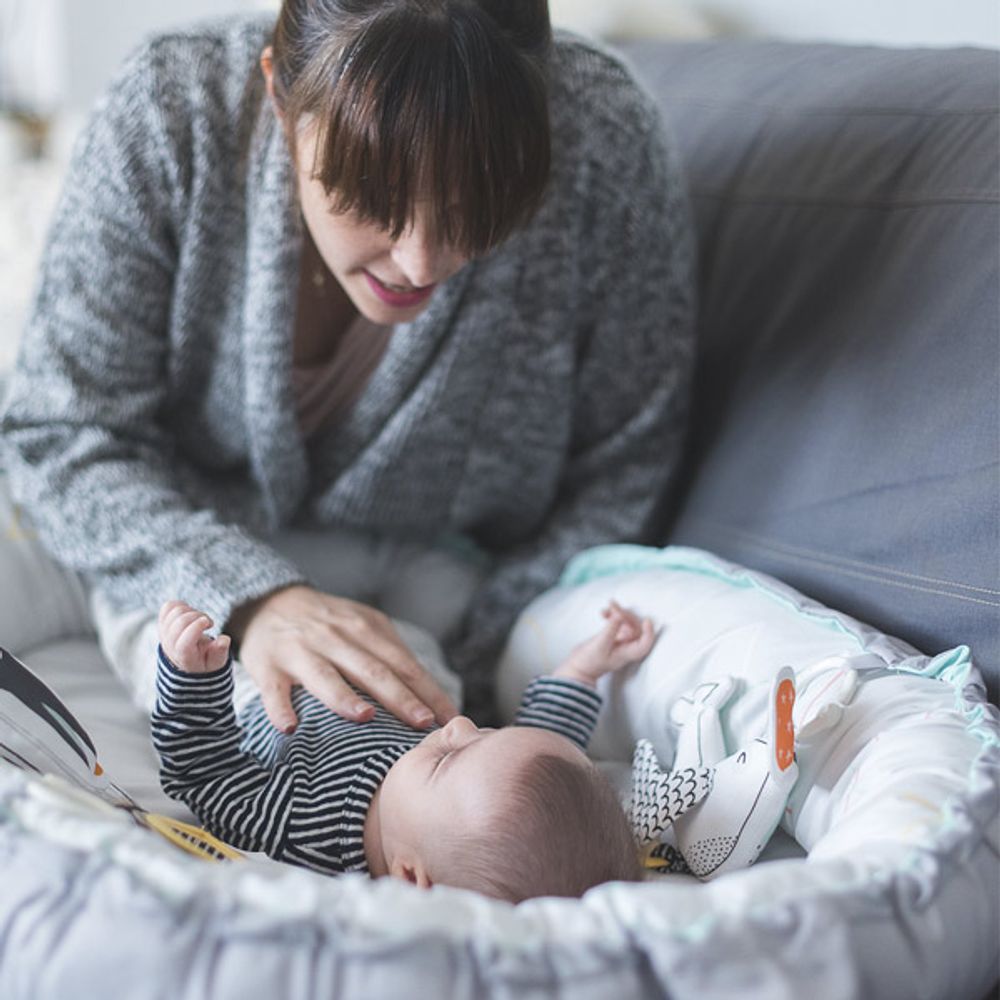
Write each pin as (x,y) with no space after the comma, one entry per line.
(267,68)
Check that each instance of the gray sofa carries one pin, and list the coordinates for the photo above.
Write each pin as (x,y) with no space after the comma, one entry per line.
(846,425)
(846,432)
(845,440)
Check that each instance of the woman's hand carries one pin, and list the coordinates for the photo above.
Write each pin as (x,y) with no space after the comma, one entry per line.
(626,638)
(302,636)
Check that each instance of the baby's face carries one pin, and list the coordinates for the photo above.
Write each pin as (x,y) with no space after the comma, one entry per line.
(459,775)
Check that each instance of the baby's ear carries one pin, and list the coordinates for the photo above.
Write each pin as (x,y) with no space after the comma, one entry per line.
(413,872)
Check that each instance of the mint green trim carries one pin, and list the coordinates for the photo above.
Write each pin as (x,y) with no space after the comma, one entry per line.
(611,560)
(951,667)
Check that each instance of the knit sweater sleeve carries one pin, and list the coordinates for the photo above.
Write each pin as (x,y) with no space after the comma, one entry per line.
(86,455)
(636,334)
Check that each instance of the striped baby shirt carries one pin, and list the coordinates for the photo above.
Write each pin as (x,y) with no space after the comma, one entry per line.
(303,798)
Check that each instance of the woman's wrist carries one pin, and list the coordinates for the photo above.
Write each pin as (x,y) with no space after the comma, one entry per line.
(242,615)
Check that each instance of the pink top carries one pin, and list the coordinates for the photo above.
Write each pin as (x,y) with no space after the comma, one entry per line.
(325,392)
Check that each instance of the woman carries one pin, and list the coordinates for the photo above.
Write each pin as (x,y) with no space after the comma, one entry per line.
(394,270)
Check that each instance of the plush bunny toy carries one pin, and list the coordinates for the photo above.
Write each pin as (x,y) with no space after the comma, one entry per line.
(724,809)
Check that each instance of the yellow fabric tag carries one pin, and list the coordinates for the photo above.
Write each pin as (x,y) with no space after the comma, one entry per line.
(192,839)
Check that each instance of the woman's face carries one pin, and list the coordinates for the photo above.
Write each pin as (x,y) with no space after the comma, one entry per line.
(388,280)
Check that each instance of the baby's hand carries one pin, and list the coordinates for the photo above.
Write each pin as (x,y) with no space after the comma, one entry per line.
(625,639)
(182,636)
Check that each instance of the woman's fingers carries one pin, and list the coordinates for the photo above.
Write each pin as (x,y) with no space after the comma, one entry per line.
(434,697)
(322,679)
(371,653)
(276,697)
(382,683)
(327,643)
(386,645)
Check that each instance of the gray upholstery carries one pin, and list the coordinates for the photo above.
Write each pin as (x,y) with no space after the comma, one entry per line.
(846,425)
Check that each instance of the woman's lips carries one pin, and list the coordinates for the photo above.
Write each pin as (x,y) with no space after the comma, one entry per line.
(399,300)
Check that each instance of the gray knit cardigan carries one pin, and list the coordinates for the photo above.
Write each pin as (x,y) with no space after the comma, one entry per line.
(535,408)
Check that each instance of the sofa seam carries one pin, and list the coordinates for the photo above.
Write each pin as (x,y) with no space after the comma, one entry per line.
(959,198)
(857,568)
(833,109)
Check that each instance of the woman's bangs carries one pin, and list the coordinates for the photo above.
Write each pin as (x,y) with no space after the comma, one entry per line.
(442,117)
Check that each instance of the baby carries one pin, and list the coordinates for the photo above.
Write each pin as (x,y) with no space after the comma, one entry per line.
(512,813)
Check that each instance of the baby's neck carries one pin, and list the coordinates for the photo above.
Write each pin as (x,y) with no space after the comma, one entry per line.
(374,855)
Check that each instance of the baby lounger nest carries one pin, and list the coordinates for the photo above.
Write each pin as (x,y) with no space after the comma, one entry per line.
(884,882)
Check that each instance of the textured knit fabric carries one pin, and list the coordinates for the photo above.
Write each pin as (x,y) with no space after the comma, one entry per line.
(535,407)
(304,798)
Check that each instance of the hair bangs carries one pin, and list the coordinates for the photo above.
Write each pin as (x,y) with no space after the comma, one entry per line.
(431,112)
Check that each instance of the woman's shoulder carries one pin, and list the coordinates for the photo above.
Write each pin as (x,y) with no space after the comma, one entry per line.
(184,106)
(596,99)
(198,81)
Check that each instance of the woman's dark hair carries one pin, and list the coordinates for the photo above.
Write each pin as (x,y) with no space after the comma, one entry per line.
(444,100)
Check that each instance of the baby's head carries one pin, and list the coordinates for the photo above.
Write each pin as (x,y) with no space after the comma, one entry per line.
(512,813)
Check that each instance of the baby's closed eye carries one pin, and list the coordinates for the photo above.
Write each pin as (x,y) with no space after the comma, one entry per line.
(439,755)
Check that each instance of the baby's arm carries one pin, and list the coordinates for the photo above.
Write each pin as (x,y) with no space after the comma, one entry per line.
(626,638)
(197,737)
(566,706)
(567,702)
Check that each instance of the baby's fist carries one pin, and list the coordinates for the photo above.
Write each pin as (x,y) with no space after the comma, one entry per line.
(183,639)
(626,638)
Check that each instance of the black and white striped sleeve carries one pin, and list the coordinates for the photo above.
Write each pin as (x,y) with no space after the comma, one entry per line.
(564,706)
(197,737)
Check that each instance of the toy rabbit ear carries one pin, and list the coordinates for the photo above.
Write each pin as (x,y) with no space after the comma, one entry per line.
(658,798)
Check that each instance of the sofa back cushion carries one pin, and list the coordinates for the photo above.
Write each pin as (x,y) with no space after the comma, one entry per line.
(845,422)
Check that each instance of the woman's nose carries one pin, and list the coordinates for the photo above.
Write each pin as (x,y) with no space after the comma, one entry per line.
(424,260)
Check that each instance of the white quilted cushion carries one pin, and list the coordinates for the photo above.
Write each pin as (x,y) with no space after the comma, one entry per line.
(880,793)
(898,807)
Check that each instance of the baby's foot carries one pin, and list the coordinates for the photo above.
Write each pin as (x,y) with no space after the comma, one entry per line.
(184,642)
